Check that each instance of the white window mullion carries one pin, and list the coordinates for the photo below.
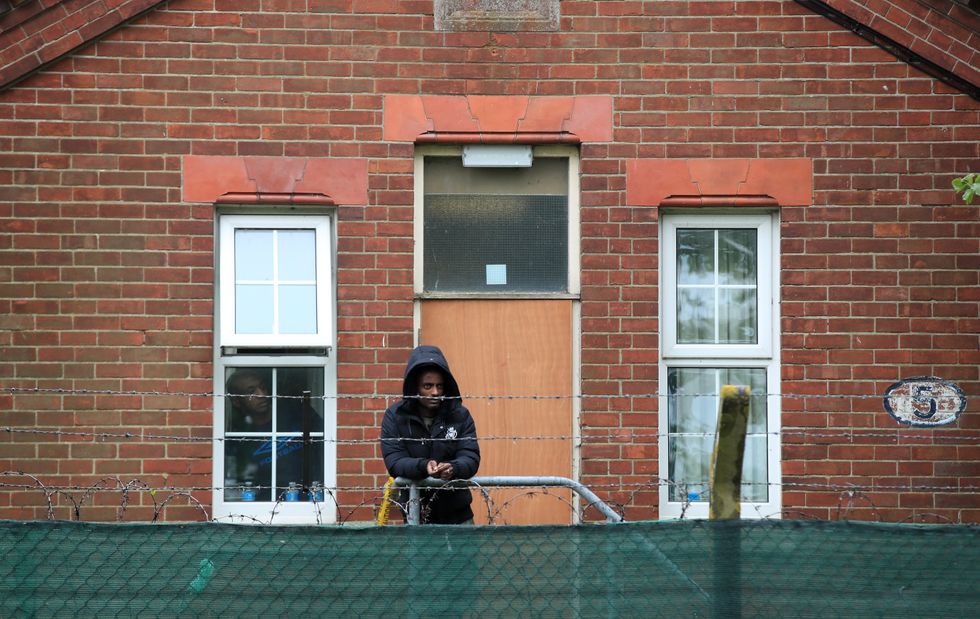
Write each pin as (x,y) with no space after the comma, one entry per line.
(275,282)
(717,288)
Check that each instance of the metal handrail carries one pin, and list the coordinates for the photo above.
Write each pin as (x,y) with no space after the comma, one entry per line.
(414,502)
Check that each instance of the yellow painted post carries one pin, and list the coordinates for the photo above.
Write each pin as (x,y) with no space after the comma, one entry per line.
(726,489)
(385,507)
(726,459)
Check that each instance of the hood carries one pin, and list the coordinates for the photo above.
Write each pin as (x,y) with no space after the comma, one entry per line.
(423,357)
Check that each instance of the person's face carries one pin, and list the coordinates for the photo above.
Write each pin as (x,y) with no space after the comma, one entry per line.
(431,386)
(253,396)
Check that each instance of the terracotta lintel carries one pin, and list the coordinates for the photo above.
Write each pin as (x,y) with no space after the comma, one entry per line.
(298,199)
(213,178)
(787,181)
(471,118)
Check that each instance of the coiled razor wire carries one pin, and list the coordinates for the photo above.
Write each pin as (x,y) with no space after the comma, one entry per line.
(849,497)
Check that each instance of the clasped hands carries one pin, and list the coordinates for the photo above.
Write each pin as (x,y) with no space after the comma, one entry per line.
(441,470)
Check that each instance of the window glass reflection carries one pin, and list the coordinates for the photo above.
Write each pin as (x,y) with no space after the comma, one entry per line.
(695,257)
(737,256)
(268,410)
(692,413)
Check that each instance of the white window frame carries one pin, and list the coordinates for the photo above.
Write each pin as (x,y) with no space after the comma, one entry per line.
(226,287)
(765,286)
(763,355)
(280,351)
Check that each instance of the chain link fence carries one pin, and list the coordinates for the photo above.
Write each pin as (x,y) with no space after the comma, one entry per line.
(642,569)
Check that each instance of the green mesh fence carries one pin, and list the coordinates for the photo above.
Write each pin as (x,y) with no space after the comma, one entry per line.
(646,569)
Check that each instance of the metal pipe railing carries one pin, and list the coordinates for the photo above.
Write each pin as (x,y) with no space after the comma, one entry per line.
(414,494)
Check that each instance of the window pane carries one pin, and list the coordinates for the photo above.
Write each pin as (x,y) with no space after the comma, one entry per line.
(689,464)
(265,411)
(695,256)
(728,287)
(292,384)
(523,239)
(738,316)
(754,379)
(253,255)
(248,470)
(249,400)
(696,316)
(693,405)
(289,465)
(737,256)
(754,475)
(297,255)
(692,419)
(297,309)
(253,308)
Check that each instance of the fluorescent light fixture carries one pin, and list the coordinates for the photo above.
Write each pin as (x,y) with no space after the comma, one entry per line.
(497,156)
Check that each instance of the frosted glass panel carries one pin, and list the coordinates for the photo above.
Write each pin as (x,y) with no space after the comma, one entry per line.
(297,309)
(254,308)
(297,255)
(253,255)
(276,281)
(526,234)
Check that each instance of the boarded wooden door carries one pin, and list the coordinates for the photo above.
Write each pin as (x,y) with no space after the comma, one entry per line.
(513,348)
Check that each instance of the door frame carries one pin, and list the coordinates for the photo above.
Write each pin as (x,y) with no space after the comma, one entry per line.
(571,153)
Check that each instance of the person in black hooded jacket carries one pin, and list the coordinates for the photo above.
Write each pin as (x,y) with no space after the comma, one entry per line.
(432,409)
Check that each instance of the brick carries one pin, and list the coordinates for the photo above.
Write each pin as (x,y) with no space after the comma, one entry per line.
(114,275)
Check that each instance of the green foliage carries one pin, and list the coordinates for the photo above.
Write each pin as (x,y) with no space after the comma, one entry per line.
(968,185)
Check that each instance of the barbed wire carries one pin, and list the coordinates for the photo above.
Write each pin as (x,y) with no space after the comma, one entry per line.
(587,436)
(850,498)
(872,487)
(392,396)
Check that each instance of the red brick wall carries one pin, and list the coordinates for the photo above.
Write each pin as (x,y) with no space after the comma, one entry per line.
(106,276)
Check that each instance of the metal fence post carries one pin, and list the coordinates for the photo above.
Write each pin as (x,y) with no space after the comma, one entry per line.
(414,504)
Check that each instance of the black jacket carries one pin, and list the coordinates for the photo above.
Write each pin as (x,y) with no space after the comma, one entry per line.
(453,425)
